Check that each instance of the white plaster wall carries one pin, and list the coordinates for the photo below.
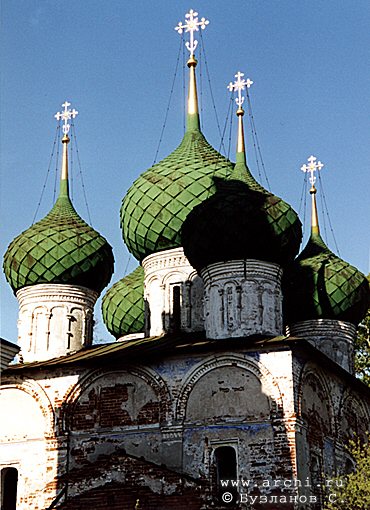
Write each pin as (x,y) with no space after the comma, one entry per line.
(54,320)
(333,338)
(163,271)
(22,429)
(242,298)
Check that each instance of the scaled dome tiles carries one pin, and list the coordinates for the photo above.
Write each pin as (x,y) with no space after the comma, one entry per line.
(123,305)
(158,202)
(60,248)
(320,285)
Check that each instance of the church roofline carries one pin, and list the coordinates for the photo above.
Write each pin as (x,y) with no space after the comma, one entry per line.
(172,344)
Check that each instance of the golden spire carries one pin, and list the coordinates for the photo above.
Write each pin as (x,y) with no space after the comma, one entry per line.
(312,167)
(315,229)
(239,84)
(65,116)
(192,25)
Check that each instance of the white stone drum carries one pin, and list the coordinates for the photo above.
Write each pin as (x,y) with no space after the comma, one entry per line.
(242,298)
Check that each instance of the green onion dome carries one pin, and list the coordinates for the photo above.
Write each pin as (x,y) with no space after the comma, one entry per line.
(158,202)
(320,285)
(241,220)
(60,248)
(123,305)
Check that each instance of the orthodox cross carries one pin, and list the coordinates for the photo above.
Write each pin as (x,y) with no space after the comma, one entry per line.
(66,115)
(239,84)
(312,166)
(192,25)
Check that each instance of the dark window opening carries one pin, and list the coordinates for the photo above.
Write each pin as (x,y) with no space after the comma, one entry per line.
(176,308)
(9,482)
(349,467)
(226,471)
(317,481)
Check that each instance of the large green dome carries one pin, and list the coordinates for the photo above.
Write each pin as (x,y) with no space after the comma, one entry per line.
(60,248)
(123,305)
(320,285)
(158,202)
(241,220)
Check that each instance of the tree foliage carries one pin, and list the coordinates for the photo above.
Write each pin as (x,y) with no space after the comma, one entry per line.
(352,491)
(362,349)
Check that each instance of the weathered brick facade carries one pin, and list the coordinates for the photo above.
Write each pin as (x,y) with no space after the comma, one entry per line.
(110,428)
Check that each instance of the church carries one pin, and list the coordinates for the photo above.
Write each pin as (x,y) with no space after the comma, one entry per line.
(231,381)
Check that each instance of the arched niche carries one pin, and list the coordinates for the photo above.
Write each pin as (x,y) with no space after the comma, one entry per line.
(26,413)
(316,408)
(116,399)
(354,421)
(227,393)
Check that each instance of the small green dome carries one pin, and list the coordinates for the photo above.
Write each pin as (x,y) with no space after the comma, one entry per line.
(158,202)
(123,305)
(60,248)
(241,220)
(320,285)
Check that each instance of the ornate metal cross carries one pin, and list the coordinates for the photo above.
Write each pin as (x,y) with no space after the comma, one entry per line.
(192,25)
(66,115)
(239,85)
(312,166)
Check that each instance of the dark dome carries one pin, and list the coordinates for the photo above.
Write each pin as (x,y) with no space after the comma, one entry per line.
(241,220)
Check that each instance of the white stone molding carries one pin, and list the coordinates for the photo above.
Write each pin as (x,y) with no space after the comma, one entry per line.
(269,385)
(54,320)
(332,337)
(172,433)
(167,273)
(242,298)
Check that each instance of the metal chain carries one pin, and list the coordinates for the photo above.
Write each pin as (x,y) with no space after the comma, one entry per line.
(57,135)
(169,102)
(256,143)
(73,133)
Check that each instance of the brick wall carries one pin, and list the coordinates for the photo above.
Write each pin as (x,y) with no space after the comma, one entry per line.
(173,412)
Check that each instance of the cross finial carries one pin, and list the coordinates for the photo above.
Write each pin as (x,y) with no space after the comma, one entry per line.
(239,84)
(192,25)
(312,166)
(66,115)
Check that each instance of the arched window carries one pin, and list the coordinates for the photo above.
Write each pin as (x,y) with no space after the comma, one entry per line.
(9,481)
(176,308)
(226,470)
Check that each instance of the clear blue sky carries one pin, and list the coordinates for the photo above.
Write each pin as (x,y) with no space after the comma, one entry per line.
(115,62)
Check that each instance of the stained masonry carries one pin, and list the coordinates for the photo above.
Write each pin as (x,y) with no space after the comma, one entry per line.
(122,427)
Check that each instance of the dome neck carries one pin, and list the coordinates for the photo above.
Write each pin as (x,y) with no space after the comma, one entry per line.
(64,185)
(241,171)
(193,123)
